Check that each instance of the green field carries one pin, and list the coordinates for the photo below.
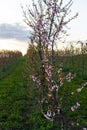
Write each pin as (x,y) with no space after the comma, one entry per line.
(13,99)
(19,108)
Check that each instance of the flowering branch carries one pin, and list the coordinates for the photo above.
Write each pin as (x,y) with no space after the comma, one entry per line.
(47,25)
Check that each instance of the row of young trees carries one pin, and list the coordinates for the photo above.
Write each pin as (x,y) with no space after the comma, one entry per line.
(7,56)
(74,57)
(73,48)
(47,20)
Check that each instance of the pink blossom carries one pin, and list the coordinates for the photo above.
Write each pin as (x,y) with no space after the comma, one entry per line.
(84,129)
(78,104)
(72,109)
(79,89)
(75,107)
(49,95)
(49,113)
(55,87)
(33,78)
(69,77)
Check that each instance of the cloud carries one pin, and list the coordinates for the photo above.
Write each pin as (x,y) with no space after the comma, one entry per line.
(16,31)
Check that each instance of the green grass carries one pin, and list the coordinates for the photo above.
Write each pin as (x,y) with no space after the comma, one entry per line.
(68,100)
(19,108)
(13,99)
(6,69)
(18,102)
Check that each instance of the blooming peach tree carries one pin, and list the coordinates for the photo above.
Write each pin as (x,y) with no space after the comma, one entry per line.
(47,20)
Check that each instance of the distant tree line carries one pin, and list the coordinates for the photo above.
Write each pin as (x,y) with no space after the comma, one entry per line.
(7,56)
(73,58)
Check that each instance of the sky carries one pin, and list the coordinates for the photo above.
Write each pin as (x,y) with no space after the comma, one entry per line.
(14,32)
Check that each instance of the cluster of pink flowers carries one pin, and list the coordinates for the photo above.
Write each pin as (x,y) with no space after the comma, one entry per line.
(42,23)
(53,88)
(48,70)
(68,77)
(52,114)
(41,32)
(73,108)
(34,79)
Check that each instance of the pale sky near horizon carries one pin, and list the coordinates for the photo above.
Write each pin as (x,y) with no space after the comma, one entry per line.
(13,32)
